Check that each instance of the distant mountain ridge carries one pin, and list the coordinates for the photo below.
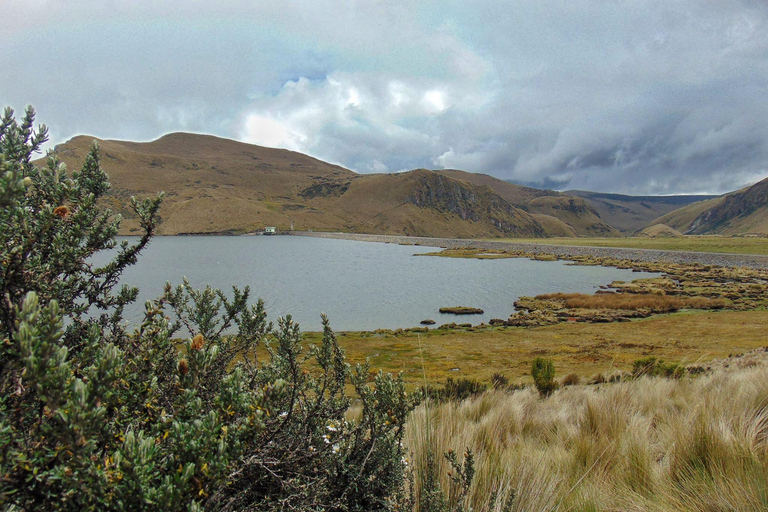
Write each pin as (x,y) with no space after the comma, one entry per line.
(631,214)
(216,185)
(741,212)
(559,214)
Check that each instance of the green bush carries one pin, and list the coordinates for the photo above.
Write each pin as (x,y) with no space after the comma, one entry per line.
(499,381)
(543,373)
(241,416)
(455,390)
(652,367)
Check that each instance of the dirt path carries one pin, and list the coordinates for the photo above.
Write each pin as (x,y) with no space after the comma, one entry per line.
(704,258)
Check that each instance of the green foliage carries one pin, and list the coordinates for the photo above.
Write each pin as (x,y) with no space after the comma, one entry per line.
(238,416)
(499,381)
(433,498)
(52,226)
(461,476)
(456,390)
(652,367)
(543,373)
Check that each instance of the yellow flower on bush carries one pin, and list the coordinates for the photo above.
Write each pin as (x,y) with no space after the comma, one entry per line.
(61,212)
(197,342)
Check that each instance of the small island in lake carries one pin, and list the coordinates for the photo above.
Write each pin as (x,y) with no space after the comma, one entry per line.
(462,310)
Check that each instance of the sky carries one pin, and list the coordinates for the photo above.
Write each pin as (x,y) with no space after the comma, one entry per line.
(625,96)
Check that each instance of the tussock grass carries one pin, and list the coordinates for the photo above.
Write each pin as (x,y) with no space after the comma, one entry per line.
(633,301)
(647,444)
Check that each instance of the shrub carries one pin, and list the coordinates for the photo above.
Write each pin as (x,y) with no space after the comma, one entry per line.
(543,373)
(499,381)
(652,367)
(96,417)
(570,380)
(456,390)
(597,378)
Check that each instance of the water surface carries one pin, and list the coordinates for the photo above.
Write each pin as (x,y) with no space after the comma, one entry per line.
(359,285)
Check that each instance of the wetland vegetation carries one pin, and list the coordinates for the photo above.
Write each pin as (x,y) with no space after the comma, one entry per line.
(703,243)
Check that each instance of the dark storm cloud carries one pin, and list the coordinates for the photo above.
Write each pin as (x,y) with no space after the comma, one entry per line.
(635,96)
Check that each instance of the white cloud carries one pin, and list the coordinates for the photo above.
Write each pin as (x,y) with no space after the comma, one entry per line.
(635,96)
(265,131)
(434,101)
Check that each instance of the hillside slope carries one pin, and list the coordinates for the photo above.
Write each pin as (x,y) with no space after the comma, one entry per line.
(560,215)
(216,185)
(741,212)
(630,214)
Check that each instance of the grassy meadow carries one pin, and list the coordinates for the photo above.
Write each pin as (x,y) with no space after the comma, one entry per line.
(581,348)
(651,444)
(718,244)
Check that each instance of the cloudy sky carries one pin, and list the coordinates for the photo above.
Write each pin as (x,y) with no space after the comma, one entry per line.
(632,96)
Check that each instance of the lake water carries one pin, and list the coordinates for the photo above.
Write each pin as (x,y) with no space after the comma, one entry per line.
(359,285)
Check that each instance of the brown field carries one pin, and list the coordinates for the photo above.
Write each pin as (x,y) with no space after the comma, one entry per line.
(581,348)
(634,301)
(713,243)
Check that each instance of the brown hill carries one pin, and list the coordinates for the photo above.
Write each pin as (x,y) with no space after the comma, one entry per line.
(575,212)
(211,184)
(630,214)
(216,185)
(660,231)
(741,212)
(517,195)
(561,215)
(425,203)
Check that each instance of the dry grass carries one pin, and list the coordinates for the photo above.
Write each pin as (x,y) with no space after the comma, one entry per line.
(708,243)
(634,301)
(581,348)
(652,444)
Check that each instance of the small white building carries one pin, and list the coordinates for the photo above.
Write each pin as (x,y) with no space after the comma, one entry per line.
(270,230)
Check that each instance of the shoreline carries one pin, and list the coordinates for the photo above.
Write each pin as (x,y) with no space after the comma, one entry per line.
(729,260)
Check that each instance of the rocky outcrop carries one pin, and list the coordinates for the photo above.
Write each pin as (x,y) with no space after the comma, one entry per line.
(735,208)
(435,191)
(325,189)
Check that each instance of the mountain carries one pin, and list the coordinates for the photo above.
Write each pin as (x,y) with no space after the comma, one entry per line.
(660,231)
(216,185)
(741,212)
(426,203)
(630,214)
(559,214)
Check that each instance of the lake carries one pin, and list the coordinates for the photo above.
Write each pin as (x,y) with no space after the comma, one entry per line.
(359,285)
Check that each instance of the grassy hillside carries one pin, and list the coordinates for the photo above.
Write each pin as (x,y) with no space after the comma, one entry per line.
(425,203)
(518,195)
(560,215)
(682,218)
(741,212)
(211,184)
(574,212)
(630,214)
(216,185)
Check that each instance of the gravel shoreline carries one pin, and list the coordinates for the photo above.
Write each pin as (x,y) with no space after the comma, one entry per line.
(564,251)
